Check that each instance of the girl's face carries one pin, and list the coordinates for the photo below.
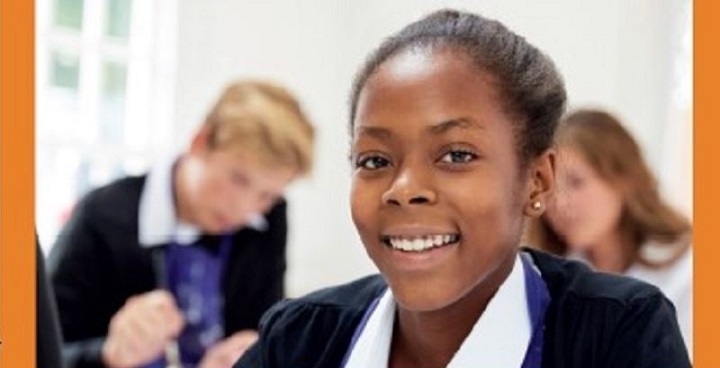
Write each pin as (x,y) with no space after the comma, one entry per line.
(437,195)
(587,209)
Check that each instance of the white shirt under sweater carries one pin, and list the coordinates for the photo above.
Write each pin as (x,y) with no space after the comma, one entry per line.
(499,338)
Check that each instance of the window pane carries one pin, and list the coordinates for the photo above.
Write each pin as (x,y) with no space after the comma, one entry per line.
(65,70)
(68,13)
(112,109)
(118,18)
(60,118)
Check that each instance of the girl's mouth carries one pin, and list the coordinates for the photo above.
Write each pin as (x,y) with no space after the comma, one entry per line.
(419,243)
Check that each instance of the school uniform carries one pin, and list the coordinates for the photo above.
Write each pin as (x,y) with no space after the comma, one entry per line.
(676,282)
(106,253)
(584,319)
(47,328)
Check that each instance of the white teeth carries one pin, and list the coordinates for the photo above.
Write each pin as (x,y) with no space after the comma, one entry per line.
(422,243)
(418,244)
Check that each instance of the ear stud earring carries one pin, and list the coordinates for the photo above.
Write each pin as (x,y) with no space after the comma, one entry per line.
(536,205)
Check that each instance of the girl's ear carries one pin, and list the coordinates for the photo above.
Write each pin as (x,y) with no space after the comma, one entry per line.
(541,183)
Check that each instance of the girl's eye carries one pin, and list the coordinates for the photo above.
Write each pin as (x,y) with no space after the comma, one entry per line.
(371,163)
(458,157)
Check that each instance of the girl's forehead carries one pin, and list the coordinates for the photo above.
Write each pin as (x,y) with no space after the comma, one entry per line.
(436,85)
(423,62)
(411,63)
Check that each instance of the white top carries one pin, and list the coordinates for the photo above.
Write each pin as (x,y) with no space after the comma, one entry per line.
(499,338)
(157,221)
(676,282)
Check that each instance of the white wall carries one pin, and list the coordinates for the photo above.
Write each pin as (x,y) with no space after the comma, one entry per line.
(615,54)
(301,47)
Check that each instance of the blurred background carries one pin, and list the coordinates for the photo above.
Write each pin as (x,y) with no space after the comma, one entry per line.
(121,83)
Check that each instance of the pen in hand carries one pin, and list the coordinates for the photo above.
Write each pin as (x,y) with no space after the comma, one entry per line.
(172,350)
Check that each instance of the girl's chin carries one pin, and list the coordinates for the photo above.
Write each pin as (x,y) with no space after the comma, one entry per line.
(579,246)
(420,305)
(419,299)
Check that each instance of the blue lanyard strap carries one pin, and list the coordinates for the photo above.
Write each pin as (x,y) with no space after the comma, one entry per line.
(195,277)
(538,299)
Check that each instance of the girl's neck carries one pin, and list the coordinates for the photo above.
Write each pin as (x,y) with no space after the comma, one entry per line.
(431,339)
(613,254)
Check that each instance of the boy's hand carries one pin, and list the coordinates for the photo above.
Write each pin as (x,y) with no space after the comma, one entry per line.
(141,329)
(227,352)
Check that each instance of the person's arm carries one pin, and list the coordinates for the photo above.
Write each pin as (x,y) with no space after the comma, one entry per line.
(84,354)
(270,288)
(103,324)
(648,337)
(314,330)
(253,357)
(229,350)
(277,238)
(78,270)
(48,338)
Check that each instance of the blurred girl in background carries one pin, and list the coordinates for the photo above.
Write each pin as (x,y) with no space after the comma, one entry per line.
(608,211)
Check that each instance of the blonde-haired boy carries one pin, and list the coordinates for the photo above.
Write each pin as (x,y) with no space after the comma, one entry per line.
(191,254)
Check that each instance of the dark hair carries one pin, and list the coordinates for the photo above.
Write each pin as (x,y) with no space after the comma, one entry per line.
(528,80)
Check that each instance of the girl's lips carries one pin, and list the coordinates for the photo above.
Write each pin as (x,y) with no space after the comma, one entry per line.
(417,247)
(417,230)
(421,243)
(419,261)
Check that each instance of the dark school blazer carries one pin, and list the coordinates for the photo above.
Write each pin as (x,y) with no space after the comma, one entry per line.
(98,263)
(594,320)
(47,328)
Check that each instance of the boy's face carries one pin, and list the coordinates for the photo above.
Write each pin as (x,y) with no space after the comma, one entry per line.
(227,187)
(437,195)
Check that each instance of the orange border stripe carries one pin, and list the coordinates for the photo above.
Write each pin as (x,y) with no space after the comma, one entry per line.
(707,183)
(17,241)
(17,251)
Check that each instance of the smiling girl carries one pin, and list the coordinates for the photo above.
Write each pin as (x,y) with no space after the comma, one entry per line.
(452,121)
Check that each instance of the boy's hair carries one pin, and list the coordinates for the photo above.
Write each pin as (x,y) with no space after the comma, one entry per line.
(265,119)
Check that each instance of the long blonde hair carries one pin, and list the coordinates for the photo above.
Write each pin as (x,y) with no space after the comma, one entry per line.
(617,158)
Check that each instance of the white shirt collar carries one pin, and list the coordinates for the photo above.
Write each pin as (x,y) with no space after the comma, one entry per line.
(499,338)
(157,220)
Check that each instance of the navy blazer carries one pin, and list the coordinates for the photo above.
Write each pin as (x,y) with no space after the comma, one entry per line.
(594,320)
(97,263)
(47,328)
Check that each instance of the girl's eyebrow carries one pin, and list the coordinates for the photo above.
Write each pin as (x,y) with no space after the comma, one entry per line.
(436,129)
(376,132)
(456,123)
